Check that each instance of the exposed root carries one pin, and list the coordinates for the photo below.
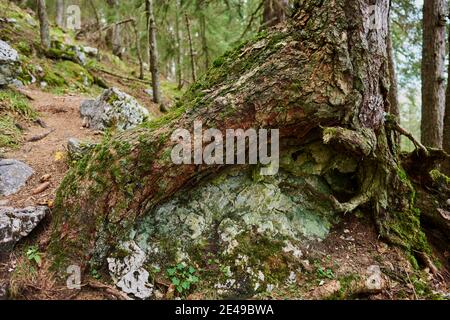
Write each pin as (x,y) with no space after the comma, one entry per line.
(407,134)
(108,289)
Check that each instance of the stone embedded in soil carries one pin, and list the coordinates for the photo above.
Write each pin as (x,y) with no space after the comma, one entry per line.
(76,149)
(16,224)
(9,63)
(113,109)
(13,176)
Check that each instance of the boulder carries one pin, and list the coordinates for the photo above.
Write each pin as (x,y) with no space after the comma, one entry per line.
(16,224)
(13,176)
(90,51)
(77,149)
(252,229)
(9,63)
(113,109)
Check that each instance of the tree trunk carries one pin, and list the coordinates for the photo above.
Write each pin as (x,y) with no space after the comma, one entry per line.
(433,62)
(204,39)
(191,48)
(138,49)
(394,108)
(178,44)
(313,80)
(43,23)
(274,12)
(446,134)
(153,53)
(60,13)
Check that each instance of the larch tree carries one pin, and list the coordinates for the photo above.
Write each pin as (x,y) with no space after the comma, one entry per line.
(43,24)
(433,72)
(322,79)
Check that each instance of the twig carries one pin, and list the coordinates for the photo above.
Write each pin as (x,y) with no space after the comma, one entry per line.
(118,294)
(412,286)
(121,77)
(39,136)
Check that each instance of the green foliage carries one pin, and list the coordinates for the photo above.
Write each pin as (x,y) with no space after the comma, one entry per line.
(9,134)
(17,104)
(182,277)
(34,255)
(325,273)
(13,106)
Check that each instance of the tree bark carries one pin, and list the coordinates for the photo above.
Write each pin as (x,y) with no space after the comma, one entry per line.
(43,23)
(60,13)
(191,48)
(323,76)
(433,62)
(153,53)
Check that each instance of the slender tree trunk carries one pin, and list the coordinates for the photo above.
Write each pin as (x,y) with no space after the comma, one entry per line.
(394,108)
(60,13)
(204,39)
(138,49)
(433,64)
(97,21)
(191,48)
(43,23)
(153,53)
(178,44)
(274,12)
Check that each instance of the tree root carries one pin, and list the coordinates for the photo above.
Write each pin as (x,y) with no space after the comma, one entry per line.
(407,134)
(108,289)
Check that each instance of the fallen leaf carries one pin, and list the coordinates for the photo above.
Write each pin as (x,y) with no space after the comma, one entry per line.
(59,156)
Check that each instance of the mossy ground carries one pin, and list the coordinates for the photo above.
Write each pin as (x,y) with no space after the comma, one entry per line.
(14,107)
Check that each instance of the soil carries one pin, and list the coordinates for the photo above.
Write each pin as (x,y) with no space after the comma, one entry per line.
(46,156)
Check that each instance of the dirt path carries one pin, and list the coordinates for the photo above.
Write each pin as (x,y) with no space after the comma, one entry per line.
(61,114)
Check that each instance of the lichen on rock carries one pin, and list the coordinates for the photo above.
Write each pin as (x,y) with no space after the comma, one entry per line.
(113,109)
(242,224)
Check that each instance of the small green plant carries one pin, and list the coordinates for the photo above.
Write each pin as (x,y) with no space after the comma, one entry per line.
(325,273)
(95,274)
(182,277)
(34,255)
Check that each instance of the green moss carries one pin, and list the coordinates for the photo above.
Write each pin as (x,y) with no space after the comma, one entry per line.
(10,135)
(16,104)
(24,48)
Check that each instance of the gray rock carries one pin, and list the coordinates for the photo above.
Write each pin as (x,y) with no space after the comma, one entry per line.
(13,176)
(3,289)
(16,224)
(113,109)
(9,63)
(90,51)
(77,149)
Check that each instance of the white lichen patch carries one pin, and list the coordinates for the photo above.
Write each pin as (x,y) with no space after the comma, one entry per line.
(128,273)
